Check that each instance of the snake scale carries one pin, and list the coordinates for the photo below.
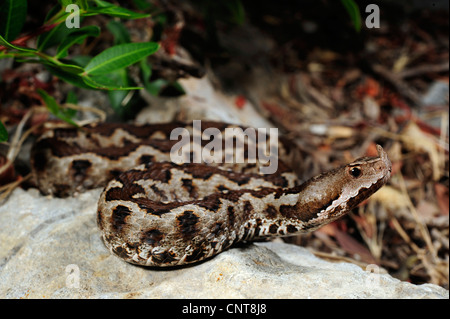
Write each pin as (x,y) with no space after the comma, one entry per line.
(154,212)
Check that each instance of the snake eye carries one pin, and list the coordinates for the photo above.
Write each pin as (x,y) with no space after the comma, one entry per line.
(355,172)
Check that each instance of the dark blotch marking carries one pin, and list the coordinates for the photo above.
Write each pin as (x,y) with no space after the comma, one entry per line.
(118,217)
(57,147)
(243,180)
(125,193)
(62,190)
(187,223)
(39,159)
(211,202)
(231,215)
(152,237)
(114,173)
(191,189)
(206,176)
(115,152)
(153,207)
(146,159)
(168,176)
(271,211)
(248,208)
(263,192)
(273,229)
(80,168)
(291,229)
(289,211)
(156,171)
(199,171)
(221,188)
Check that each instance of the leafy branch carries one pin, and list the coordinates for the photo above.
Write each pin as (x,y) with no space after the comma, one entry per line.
(105,71)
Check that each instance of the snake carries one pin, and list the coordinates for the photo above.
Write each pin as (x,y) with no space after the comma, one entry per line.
(155,212)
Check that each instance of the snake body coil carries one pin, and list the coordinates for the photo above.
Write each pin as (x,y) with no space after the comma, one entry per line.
(153,212)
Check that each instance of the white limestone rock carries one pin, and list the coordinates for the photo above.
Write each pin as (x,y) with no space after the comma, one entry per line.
(51,248)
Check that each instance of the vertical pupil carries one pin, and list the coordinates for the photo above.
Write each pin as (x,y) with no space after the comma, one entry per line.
(355,171)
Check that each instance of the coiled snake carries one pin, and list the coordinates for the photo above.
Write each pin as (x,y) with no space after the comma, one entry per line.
(154,212)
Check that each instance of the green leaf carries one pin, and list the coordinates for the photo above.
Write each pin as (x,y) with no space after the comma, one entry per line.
(119,32)
(153,87)
(353,10)
(110,9)
(83,4)
(12,18)
(77,36)
(51,103)
(236,10)
(66,67)
(116,97)
(120,56)
(71,78)
(104,82)
(3,133)
(101,82)
(53,37)
(71,98)
(8,45)
(81,60)
(54,108)
(65,3)
(178,87)
(156,86)
(142,4)
(146,73)
(4,55)
(103,4)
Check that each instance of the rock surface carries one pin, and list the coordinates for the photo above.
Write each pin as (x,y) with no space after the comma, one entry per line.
(51,248)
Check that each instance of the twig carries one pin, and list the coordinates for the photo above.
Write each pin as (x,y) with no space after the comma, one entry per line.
(402,87)
(335,258)
(84,108)
(5,190)
(428,68)
(16,142)
(423,230)
(374,242)
(21,41)
(404,235)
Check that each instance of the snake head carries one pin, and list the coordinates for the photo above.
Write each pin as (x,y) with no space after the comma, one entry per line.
(368,171)
(360,180)
(329,196)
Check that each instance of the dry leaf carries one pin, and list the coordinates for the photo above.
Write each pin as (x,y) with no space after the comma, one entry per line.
(418,141)
(350,245)
(442,197)
(391,198)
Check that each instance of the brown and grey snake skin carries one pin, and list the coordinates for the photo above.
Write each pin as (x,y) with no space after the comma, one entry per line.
(153,212)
